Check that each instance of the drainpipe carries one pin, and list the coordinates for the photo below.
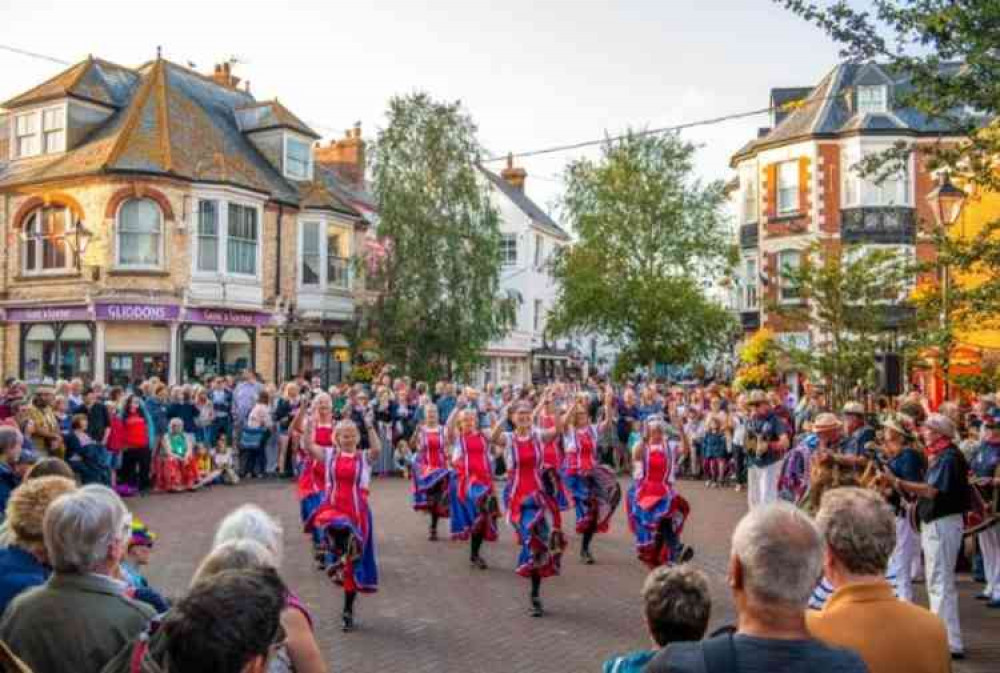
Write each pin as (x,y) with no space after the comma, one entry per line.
(277,292)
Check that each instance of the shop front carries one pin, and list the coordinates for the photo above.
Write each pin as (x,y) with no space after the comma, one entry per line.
(326,355)
(217,342)
(138,341)
(56,342)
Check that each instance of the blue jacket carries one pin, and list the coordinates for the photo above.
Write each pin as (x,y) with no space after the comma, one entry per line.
(19,571)
(8,482)
(630,663)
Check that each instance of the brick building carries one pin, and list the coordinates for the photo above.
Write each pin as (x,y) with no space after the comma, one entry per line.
(798,183)
(160,221)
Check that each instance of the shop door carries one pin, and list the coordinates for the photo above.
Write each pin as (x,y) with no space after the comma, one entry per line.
(126,368)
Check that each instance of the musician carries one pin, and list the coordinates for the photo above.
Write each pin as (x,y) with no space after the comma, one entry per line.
(908,464)
(944,498)
(859,438)
(767,441)
(985,472)
(797,472)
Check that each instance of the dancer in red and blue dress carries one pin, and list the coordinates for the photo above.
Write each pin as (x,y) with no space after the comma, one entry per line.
(474,509)
(532,513)
(553,455)
(314,425)
(344,517)
(431,476)
(656,512)
(595,490)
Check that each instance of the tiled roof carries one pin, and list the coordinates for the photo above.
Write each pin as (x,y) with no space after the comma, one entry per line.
(93,80)
(269,115)
(526,205)
(829,109)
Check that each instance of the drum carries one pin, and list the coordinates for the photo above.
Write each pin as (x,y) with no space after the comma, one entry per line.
(981,516)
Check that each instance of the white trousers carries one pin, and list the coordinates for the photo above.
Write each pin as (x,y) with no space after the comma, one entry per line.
(989,545)
(901,562)
(941,540)
(762,484)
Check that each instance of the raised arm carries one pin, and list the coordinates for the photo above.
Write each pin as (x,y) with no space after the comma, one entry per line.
(610,410)
(497,432)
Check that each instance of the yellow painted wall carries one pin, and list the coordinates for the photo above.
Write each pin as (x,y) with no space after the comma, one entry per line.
(980,209)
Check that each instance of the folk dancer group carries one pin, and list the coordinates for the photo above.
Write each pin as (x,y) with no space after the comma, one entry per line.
(932,490)
(551,456)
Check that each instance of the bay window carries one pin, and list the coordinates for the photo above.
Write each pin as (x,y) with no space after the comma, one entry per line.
(323,251)
(45,247)
(140,235)
(241,240)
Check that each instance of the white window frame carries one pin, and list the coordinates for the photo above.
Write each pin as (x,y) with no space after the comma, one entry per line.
(260,242)
(198,236)
(538,317)
(749,189)
(787,209)
(850,181)
(223,197)
(38,133)
(161,253)
(782,281)
(285,137)
(68,230)
(506,241)
(904,251)
(539,250)
(750,292)
(873,104)
(324,223)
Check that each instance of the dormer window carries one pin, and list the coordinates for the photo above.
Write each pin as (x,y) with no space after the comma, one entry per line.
(873,99)
(40,131)
(298,158)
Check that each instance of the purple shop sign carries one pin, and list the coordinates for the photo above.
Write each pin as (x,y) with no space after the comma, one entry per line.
(217,316)
(137,312)
(48,314)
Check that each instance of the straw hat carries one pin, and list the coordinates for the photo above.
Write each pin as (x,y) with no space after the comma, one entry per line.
(825,422)
(854,408)
(940,424)
(897,425)
(757,397)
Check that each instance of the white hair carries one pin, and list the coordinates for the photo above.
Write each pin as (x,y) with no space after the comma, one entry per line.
(79,528)
(781,553)
(233,555)
(250,522)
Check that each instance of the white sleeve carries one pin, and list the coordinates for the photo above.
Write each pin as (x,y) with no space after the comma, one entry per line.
(366,471)
(508,449)
(456,451)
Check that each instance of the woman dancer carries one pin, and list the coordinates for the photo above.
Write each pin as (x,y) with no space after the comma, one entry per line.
(315,426)
(656,512)
(474,509)
(533,514)
(595,490)
(431,475)
(344,517)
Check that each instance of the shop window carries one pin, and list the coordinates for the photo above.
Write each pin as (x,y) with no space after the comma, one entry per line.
(39,356)
(237,348)
(140,235)
(46,245)
(57,351)
(201,353)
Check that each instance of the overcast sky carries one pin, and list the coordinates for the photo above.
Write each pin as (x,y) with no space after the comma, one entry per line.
(533,74)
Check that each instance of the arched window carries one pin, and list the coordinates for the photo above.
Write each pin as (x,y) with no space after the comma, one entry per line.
(45,244)
(140,235)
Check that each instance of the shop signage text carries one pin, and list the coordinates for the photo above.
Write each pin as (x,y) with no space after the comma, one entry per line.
(137,312)
(214,316)
(48,314)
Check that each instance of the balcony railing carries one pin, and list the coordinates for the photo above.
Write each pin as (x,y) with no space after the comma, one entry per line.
(878,224)
(749,235)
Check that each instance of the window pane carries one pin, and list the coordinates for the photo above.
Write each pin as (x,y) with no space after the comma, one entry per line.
(788,262)
(208,236)
(139,225)
(788,187)
(297,158)
(241,247)
(52,119)
(310,253)
(139,216)
(336,272)
(54,141)
(208,218)
(139,249)
(508,249)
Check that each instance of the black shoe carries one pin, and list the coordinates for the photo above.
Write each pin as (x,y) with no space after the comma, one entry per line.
(957,656)
(433,536)
(348,622)
(587,557)
(983,597)
(687,553)
(536,607)
(478,562)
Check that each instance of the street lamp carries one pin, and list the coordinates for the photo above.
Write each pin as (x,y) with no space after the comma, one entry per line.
(79,242)
(946,201)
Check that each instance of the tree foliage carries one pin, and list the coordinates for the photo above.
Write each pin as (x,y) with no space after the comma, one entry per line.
(849,299)
(949,53)
(438,301)
(650,237)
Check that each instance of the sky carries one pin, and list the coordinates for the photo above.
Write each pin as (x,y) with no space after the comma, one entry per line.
(533,74)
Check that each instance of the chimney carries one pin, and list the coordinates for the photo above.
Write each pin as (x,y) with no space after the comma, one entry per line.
(514,176)
(224,76)
(345,156)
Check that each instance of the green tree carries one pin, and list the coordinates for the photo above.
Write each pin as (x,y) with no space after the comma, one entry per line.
(852,299)
(947,51)
(650,238)
(438,285)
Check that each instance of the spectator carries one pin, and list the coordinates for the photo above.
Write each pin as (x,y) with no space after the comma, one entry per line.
(87,458)
(23,561)
(140,435)
(222,405)
(44,426)
(49,467)
(140,549)
(98,418)
(859,529)
(776,560)
(244,398)
(10,454)
(677,608)
(86,532)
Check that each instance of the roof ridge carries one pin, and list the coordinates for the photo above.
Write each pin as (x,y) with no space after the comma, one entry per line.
(131,120)
(207,79)
(161,104)
(50,80)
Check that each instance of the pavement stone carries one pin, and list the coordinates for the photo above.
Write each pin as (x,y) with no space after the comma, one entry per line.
(434,613)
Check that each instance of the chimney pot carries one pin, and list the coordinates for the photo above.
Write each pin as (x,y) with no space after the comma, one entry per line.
(514,176)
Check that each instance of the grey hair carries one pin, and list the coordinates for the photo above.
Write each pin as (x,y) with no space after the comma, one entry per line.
(250,522)
(233,555)
(79,527)
(781,554)
(859,529)
(9,437)
(677,603)
(175,423)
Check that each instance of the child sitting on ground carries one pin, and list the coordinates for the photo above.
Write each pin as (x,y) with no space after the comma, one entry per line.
(225,462)
(677,608)
(207,474)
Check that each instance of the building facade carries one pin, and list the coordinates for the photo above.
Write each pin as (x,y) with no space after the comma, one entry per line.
(158,221)
(529,238)
(799,183)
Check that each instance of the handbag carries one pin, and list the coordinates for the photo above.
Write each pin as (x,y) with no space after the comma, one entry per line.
(252,439)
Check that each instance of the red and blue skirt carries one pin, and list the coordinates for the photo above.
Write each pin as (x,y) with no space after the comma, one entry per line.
(657,524)
(430,488)
(596,496)
(538,527)
(350,546)
(474,510)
